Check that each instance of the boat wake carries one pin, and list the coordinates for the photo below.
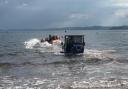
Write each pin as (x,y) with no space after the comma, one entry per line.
(44,47)
(101,54)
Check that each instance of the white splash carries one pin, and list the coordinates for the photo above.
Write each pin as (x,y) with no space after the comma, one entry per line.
(31,43)
(43,46)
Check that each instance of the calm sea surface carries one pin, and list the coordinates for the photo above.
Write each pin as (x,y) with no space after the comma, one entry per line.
(103,64)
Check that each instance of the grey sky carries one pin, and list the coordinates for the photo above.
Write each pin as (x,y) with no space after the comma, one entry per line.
(62,13)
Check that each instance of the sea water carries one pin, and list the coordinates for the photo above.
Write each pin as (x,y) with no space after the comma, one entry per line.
(104,64)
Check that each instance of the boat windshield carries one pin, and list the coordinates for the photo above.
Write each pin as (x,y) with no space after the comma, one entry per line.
(75,39)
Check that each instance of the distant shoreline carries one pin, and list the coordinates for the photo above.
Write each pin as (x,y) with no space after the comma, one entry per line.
(74,28)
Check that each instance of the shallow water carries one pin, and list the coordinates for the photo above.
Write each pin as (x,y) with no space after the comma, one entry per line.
(103,64)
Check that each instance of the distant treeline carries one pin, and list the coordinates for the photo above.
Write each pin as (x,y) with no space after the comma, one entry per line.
(74,28)
(97,28)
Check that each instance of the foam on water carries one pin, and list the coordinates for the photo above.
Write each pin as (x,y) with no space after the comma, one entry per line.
(31,43)
(100,54)
(56,48)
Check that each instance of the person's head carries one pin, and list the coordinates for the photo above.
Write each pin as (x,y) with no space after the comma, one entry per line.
(50,36)
(54,37)
(42,40)
(46,39)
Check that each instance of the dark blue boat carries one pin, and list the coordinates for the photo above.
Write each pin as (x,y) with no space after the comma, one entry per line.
(73,44)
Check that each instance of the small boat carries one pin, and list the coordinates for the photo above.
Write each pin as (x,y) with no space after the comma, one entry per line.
(73,44)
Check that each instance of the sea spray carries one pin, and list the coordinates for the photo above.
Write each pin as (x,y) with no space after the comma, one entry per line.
(31,43)
(42,46)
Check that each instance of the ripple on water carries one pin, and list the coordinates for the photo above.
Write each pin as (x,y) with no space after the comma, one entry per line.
(67,83)
(122,60)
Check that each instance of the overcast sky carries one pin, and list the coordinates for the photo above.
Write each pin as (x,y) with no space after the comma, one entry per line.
(62,13)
